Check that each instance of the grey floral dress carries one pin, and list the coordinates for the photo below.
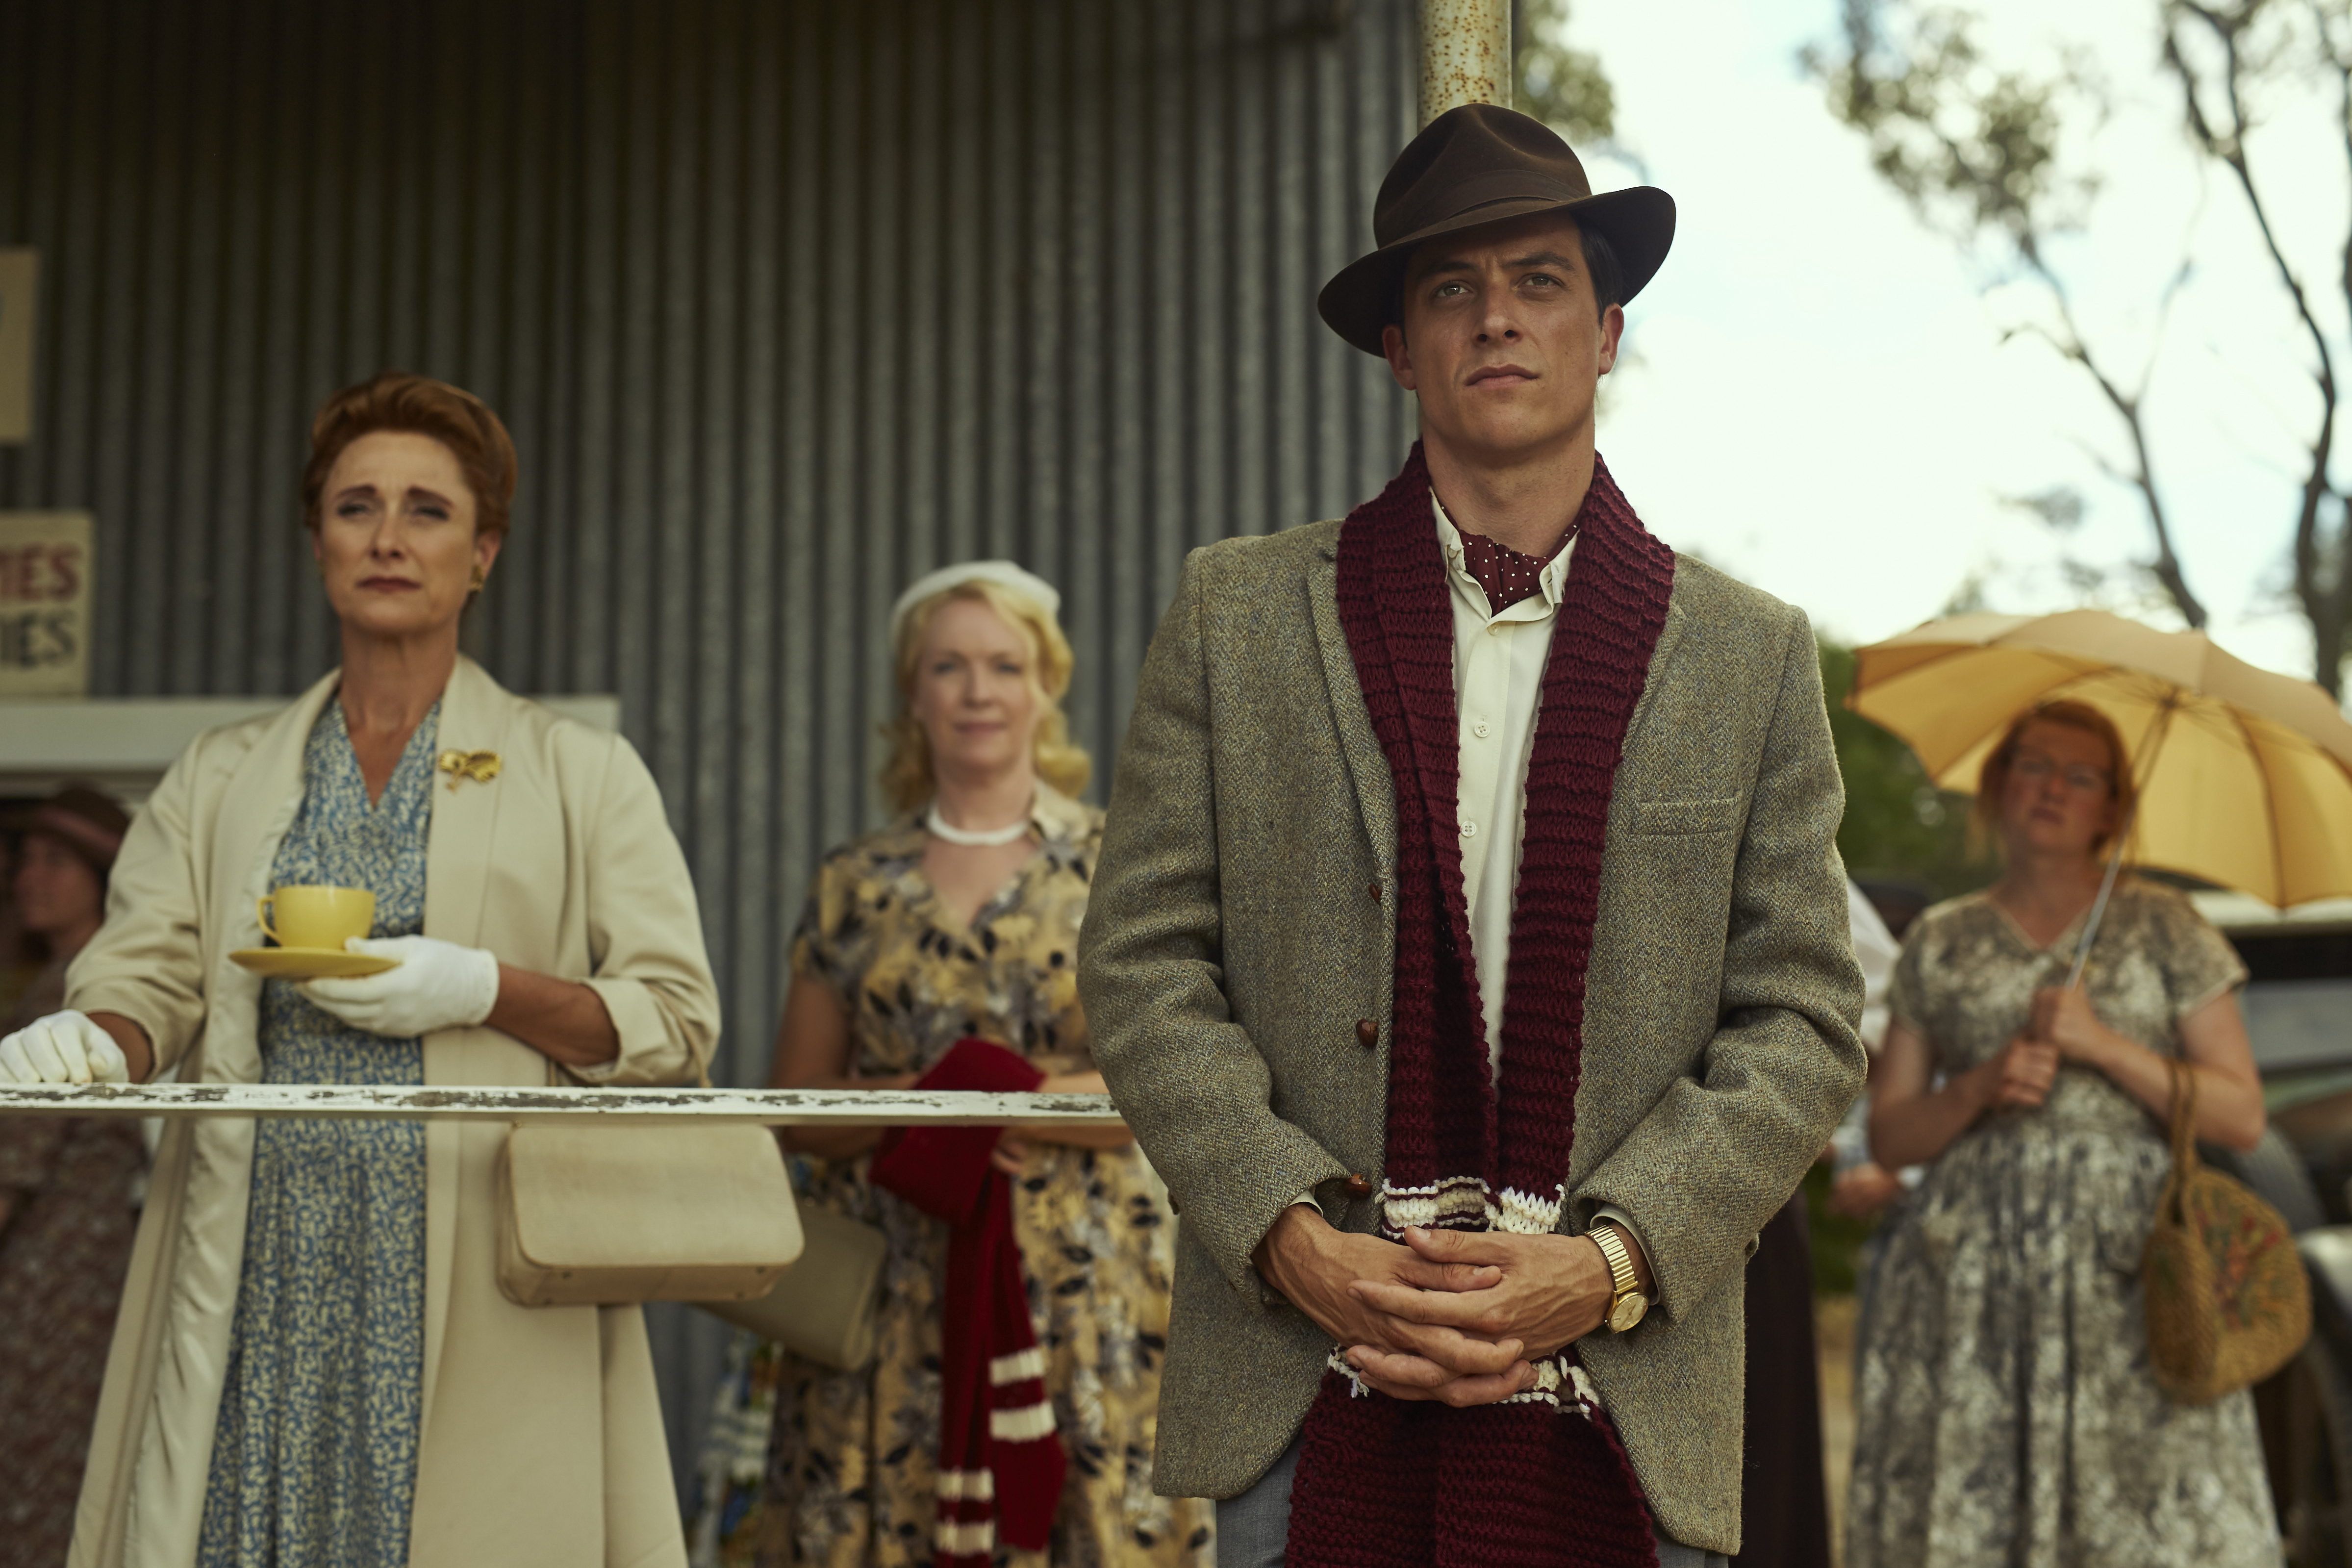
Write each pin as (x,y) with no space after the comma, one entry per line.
(2005,1410)
(314,1457)
(808,1465)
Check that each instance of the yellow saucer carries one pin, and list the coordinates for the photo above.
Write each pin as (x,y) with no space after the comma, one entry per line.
(310,962)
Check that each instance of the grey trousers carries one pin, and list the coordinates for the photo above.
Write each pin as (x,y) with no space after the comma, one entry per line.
(1252,1529)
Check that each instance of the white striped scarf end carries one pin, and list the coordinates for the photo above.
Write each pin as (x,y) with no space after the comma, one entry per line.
(1022,1424)
(967,1486)
(1553,1373)
(1562,1384)
(1587,1396)
(972,1537)
(1454,1202)
(1547,1387)
(1019,1365)
(1523,1214)
(1470,1224)
(1442,1184)
(1356,1387)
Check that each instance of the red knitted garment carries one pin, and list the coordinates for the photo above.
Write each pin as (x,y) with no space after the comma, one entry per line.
(1541,1480)
(1000,1462)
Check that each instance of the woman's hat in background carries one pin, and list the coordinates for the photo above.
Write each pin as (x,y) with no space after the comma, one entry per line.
(83,818)
(1482,163)
(1004,573)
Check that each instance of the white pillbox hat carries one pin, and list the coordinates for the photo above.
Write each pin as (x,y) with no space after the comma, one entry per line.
(1004,573)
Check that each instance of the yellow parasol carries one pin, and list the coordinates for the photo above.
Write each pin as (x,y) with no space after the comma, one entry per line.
(2246,775)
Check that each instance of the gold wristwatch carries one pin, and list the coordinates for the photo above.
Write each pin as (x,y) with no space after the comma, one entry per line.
(1627,1304)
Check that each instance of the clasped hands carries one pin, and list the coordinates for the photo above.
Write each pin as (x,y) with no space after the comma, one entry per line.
(1456,1316)
(2062,1027)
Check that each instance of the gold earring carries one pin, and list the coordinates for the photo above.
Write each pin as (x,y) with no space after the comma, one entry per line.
(481,579)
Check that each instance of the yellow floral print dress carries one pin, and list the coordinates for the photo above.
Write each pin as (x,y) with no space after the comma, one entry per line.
(844,1476)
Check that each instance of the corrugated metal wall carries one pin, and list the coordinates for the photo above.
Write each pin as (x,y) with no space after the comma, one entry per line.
(784,304)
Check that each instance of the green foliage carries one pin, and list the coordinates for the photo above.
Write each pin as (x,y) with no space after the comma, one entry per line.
(1837,1238)
(1972,145)
(1564,88)
(1897,823)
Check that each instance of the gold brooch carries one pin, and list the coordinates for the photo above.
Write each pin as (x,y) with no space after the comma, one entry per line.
(479,767)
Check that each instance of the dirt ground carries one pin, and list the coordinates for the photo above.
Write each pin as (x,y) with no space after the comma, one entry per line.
(1833,1319)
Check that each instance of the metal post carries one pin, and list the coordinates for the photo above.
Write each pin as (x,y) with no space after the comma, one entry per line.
(413,1102)
(1466,54)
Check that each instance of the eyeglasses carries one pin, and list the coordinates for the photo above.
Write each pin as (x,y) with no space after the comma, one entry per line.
(2037,767)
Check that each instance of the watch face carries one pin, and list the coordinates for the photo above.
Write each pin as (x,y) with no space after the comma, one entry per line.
(1627,1311)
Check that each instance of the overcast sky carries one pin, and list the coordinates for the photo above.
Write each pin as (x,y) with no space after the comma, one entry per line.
(1820,402)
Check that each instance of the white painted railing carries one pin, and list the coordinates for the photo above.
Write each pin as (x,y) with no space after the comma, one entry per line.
(413,1102)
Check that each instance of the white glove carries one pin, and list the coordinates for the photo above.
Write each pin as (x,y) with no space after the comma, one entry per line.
(64,1047)
(439,986)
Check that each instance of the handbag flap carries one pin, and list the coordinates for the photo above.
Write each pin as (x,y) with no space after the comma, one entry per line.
(828,1305)
(599,1197)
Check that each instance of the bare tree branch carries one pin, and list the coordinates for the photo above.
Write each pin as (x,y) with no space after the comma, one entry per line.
(1976,149)
(1948,130)
(2334,21)
(2320,590)
(2141,476)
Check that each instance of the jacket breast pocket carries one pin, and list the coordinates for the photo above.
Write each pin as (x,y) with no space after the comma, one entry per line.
(1688,818)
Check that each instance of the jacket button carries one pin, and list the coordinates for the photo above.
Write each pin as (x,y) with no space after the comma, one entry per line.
(1360,1185)
(1368,1034)
(1376,892)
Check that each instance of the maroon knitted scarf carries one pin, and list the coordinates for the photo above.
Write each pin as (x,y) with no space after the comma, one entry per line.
(1000,1463)
(1541,1479)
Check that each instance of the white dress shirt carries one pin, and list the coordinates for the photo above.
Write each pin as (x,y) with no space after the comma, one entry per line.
(1499,671)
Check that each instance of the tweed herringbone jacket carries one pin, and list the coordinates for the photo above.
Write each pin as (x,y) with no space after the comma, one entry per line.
(1241,932)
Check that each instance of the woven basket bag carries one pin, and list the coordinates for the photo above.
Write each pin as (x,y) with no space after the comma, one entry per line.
(2227,1303)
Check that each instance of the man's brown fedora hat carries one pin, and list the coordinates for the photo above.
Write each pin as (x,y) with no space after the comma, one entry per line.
(1481,163)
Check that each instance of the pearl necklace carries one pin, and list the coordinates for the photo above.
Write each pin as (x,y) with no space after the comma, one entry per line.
(990,839)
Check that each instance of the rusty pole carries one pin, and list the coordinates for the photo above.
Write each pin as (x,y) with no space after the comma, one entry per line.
(404,1102)
(1466,54)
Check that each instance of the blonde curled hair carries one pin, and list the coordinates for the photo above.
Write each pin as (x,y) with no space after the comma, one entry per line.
(907,777)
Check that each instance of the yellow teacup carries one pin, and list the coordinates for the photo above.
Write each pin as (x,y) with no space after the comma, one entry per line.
(317,917)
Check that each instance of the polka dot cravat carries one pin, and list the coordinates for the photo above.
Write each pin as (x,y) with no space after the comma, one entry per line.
(1506,575)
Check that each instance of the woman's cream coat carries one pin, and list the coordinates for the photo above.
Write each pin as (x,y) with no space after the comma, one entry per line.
(543,1437)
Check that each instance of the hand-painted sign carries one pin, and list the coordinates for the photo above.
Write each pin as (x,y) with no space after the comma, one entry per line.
(45,603)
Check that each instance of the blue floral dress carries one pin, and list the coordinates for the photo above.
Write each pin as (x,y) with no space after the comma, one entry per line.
(314,1458)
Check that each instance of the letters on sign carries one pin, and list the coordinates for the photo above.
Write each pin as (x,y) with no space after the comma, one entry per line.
(45,604)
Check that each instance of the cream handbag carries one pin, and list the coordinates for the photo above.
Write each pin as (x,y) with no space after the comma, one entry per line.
(828,1305)
(599,1216)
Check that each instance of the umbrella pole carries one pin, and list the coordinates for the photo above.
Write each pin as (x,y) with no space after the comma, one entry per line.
(2098,912)
(2146,768)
